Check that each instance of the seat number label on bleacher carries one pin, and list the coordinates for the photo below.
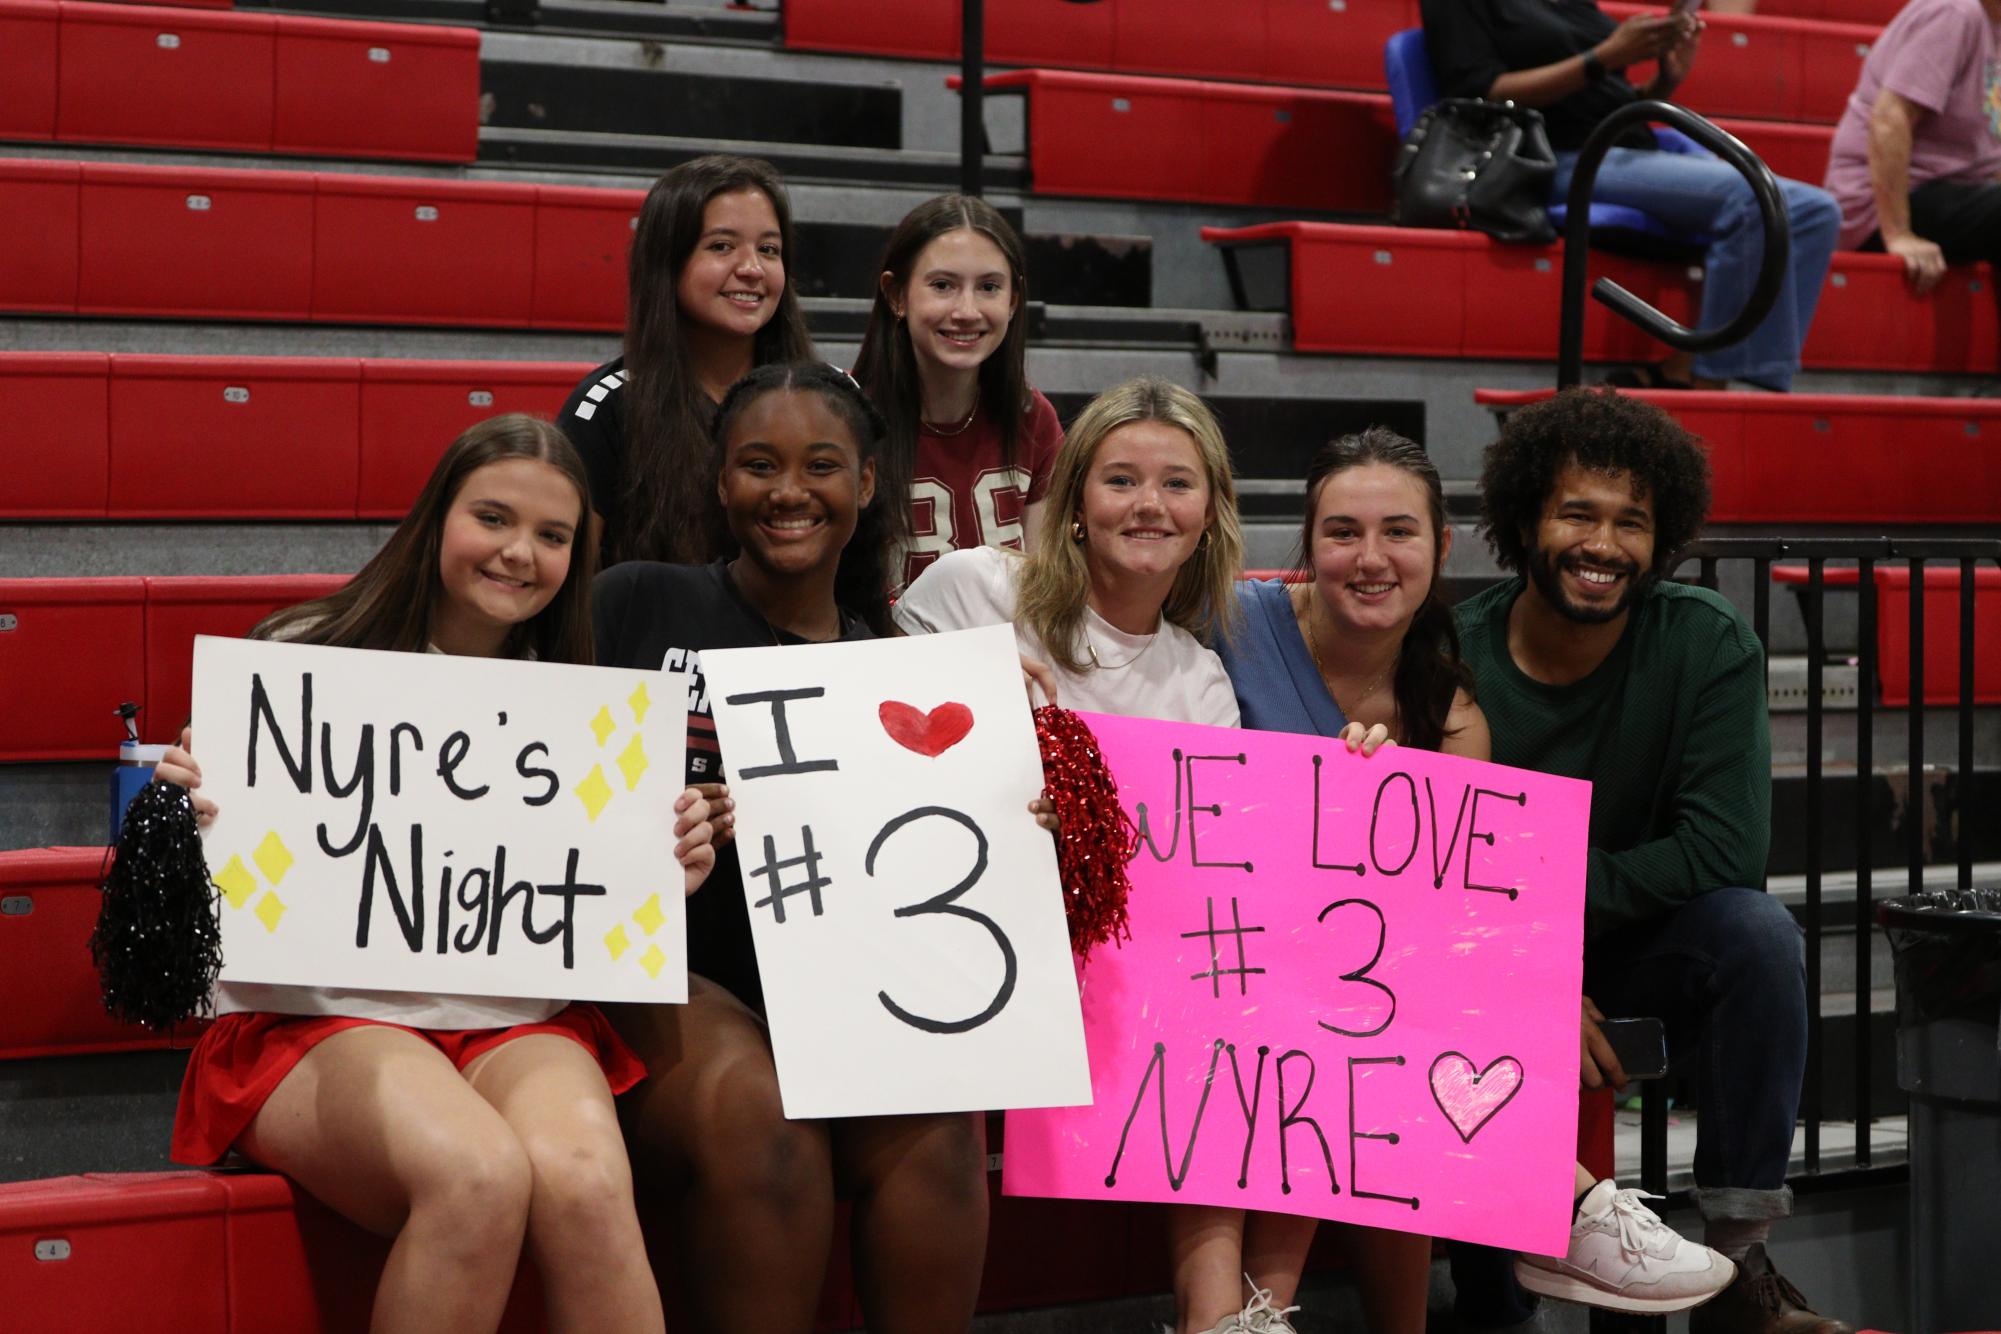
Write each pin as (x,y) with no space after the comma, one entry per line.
(54,1248)
(7,620)
(235,394)
(200,203)
(427,213)
(168,41)
(379,54)
(480,398)
(16,905)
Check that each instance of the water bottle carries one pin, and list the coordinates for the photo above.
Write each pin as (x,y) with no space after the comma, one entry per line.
(135,767)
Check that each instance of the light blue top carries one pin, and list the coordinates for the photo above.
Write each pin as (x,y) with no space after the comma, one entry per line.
(1278,686)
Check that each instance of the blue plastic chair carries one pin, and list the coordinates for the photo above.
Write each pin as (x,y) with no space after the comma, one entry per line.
(1413,87)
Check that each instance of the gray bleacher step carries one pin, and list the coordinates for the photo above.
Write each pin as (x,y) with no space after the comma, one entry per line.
(678,22)
(102,1113)
(651,155)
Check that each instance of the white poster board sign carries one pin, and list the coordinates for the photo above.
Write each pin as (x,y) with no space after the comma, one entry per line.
(905,906)
(467,826)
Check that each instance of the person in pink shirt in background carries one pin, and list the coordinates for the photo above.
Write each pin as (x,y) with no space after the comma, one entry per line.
(1916,163)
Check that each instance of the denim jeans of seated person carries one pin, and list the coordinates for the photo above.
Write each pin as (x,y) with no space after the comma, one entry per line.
(1701,194)
(1726,973)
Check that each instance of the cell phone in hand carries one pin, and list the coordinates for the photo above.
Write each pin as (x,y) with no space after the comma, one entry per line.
(1685,6)
(1640,1045)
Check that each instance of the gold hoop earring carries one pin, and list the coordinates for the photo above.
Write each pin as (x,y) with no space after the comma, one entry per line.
(1203,543)
(1076,531)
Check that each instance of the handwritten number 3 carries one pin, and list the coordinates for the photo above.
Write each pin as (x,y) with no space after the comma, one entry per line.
(1362,974)
(947,903)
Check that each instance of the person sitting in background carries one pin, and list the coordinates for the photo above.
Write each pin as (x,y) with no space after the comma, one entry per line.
(1569,59)
(1916,163)
(1592,664)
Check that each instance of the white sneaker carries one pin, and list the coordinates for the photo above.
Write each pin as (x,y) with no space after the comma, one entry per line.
(1261,1315)
(1624,1258)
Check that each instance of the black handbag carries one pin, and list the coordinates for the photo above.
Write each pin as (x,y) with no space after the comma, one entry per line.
(1473,164)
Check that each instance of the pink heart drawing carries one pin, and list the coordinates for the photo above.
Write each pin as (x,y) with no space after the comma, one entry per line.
(1469,1098)
(931,733)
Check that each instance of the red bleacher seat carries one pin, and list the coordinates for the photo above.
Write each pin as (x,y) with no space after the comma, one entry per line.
(28,31)
(1174,37)
(38,264)
(1023,32)
(196,1253)
(1350,292)
(187,242)
(921,29)
(1336,45)
(56,406)
(582,239)
(1796,151)
(1835,458)
(403,250)
(402,90)
(175,77)
(220,438)
(411,410)
(1759,66)
(180,607)
(1129,136)
(1877,12)
(1893,628)
(75,650)
(53,1002)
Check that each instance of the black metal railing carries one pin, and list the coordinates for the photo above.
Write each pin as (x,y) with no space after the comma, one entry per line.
(1577,236)
(1864,556)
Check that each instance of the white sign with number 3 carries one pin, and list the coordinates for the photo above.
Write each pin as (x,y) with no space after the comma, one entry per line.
(905,905)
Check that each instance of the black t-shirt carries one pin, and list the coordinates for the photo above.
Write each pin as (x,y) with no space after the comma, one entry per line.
(593,417)
(1474,42)
(649,615)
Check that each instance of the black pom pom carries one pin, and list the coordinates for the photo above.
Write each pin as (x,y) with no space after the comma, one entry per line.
(157,946)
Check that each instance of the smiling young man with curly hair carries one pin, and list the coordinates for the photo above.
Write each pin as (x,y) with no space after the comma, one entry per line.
(1591,664)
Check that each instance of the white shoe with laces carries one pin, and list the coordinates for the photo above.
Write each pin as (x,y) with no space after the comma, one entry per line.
(1624,1258)
(1261,1315)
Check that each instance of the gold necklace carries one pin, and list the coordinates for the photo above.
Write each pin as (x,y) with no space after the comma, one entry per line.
(1320,665)
(960,429)
(1096,661)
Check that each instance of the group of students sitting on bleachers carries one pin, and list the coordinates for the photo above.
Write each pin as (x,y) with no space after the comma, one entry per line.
(745,495)
(1915,167)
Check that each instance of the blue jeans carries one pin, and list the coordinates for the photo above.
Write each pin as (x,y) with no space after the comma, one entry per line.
(1699,193)
(1726,972)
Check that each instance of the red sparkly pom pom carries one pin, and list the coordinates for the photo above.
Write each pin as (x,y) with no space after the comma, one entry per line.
(1097,837)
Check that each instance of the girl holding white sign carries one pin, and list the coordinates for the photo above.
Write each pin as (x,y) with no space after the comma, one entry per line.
(456,1125)
(945,359)
(810,506)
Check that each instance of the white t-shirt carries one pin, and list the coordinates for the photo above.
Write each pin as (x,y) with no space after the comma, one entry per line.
(412,1009)
(1167,674)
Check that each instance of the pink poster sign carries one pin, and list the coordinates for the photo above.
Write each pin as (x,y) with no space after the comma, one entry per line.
(1351,990)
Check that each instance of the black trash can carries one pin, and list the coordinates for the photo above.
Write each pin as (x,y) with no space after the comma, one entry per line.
(1948,953)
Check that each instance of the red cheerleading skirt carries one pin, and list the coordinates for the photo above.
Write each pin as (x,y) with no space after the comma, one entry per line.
(243,1058)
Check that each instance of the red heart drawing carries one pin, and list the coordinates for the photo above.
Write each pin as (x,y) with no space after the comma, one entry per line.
(931,733)
(1469,1099)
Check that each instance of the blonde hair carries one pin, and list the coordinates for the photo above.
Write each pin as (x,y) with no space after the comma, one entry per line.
(1054,580)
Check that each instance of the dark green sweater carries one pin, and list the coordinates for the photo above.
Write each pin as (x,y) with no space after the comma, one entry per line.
(1670,731)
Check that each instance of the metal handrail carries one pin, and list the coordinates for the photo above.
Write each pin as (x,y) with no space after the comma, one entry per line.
(1577,236)
(972,96)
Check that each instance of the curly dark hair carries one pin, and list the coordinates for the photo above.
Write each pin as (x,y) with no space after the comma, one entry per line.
(1604,431)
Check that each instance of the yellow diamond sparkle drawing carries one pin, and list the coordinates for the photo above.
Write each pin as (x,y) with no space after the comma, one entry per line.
(273,858)
(269,909)
(632,761)
(236,883)
(594,792)
(602,726)
(616,941)
(653,961)
(649,916)
(640,702)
